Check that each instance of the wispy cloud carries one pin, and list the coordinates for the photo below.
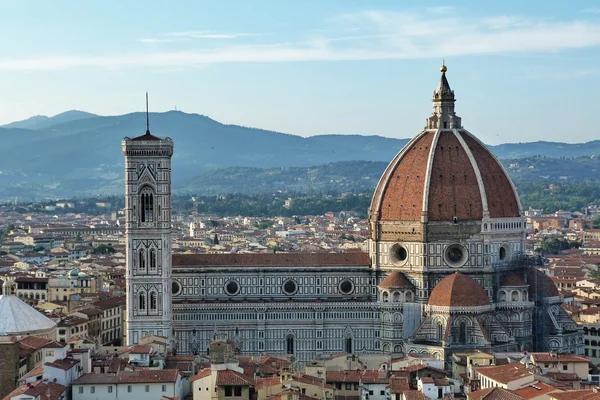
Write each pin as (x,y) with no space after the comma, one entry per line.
(368,35)
(173,37)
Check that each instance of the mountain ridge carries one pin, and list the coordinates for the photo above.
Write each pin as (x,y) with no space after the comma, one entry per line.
(73,151)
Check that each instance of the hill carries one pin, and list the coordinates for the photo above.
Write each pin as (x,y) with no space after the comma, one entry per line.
(79,154)
(43,121)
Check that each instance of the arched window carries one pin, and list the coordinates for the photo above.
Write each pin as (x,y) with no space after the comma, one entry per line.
(152,260)
(349,345)
(142,259)
(440,331)
(153,306)
(289,344)
(462,333)
(502,295)
(385,297)
(396,297)
(514,295)
(142,301)
(146,205)
(408,297)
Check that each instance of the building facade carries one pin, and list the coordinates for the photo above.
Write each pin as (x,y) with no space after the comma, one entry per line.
(446,269)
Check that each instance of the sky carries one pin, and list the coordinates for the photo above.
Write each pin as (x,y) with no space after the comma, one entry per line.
(521,70)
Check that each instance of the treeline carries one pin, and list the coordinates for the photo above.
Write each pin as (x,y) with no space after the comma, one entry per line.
(572,196)
(264,205)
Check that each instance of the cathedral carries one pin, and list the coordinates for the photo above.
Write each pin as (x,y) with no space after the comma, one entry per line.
(446,269)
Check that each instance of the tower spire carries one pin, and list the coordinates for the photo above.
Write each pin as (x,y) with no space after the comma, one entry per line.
(147,116)
(443,115)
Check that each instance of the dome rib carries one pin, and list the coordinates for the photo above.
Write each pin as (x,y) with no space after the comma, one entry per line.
(399,193)
(458,290)
(453,188)
(503,201)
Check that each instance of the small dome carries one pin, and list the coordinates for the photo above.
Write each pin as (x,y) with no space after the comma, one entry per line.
(541,285)
(458,290)
(396,280)
(74,272)
(512,279)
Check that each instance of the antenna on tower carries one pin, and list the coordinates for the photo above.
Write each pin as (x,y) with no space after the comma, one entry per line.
(147,116)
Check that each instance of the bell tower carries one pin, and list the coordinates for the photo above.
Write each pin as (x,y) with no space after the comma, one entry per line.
(148,235)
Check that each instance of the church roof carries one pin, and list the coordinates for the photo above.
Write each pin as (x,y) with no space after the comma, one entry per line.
(396,280)
(19,318)
(146,137)
(444,173)
(458,290)
(540,284)
(271,259)
(512,279)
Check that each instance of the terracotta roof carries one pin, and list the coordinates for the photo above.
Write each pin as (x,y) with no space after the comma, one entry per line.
(512,279)
(458,290)
(228,377)
(203,373)
(589,394)
(414,395)
(39,370)
(504,373)
(398,280)
(398,385)
(495,393)
(38,389)
(34,342)
(529,392)
(562,376)
(556,358)
(356,376)
(137,376)
(291,391)
(64,364)
(110,303)
(453,190)
(261,383)
(502,199)
(140,349)
(540,284)
(272,259)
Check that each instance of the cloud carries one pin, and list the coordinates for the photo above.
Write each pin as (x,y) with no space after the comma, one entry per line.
(188,35)
(368,35)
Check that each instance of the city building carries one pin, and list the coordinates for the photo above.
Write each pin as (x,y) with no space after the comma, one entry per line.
(446,269)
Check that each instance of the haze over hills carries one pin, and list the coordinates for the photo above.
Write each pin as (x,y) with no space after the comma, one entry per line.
(77,153)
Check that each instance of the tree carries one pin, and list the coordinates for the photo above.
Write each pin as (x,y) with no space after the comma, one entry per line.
(216,239)
(104,249)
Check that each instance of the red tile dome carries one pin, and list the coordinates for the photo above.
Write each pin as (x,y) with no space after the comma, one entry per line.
(444,173)
(458,290)
(540,284)
(396,280)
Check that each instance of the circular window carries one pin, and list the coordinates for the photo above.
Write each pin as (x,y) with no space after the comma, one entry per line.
(398,254)
(504,252)
(346,286)
(290,287)
(456,255)
(232,288)
(175,288)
